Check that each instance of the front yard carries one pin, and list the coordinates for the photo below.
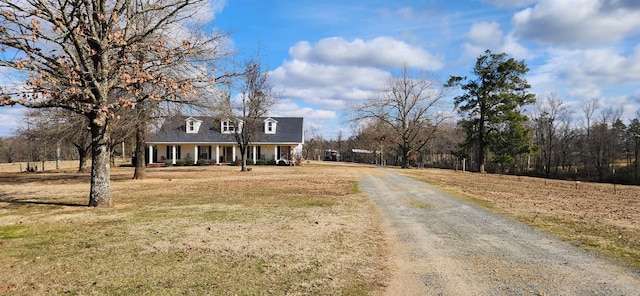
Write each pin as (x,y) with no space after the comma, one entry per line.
(192,230)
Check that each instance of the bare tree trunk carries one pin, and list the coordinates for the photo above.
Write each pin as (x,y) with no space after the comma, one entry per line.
(141,137)
(481,140)
(405,157)
(243,157)
(83,158)
(481,160)
(636,153)
(100,194)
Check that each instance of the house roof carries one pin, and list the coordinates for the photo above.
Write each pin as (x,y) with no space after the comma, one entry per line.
(289,130)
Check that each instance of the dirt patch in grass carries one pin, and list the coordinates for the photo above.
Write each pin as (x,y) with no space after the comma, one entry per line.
(591,215)
(419,204)
(199,230)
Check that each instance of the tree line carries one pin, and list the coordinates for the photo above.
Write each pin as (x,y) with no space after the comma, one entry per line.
(497,126)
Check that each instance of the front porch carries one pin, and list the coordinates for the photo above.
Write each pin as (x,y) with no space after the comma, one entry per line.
(216,153)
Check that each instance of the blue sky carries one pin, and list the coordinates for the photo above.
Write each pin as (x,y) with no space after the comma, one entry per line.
(325,55)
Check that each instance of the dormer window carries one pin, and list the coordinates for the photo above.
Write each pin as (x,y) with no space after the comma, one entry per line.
(192,125)
(270,126)
(227,127)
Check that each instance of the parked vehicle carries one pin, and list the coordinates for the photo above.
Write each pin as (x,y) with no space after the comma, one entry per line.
(331,155)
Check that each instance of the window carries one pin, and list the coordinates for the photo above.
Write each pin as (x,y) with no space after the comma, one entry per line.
(256,149)
(170,152)
(193,125)
(227,127)
(204,152)
(270,126)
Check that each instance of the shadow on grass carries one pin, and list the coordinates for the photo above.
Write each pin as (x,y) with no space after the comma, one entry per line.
(51,178)
(54,178)
(46,203)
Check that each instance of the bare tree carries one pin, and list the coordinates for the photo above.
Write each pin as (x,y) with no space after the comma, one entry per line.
(549,111)
(443,151)
(589,107)
(256,96)
(2,146)
(603,138)
(122,130)
(62,126)
(53,127)
(190,65)
(339,141)
(76,55)
(409,107)
(313,143)
(13,149)
(567,137)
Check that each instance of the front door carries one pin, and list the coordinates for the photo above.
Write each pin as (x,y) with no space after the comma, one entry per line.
(228,154)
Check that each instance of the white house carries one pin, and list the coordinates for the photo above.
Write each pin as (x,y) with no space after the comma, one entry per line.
(212,140)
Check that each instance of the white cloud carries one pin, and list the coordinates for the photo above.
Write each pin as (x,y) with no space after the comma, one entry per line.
(578,22)
(514,48)
(582,92)
(321,80)
(11,118)
(604,73)
(326,86)
(303,73)
(12,78)
(333,99)
(324,122)
(289,108)
(382,52)
(624,102)
(595,67)
(489,35)
(322,90)
(205,12)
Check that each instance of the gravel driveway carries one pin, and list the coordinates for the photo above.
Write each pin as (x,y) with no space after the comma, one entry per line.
(444,246)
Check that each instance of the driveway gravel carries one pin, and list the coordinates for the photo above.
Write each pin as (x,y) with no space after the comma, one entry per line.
(445,246)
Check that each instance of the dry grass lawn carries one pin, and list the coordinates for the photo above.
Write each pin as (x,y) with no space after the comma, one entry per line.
(275,230)
(590,215)
(192,230)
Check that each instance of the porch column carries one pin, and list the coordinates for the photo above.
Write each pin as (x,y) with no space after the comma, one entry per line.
(173,154)
(195,154)
(276,157)
(254,154)
(150,154)
(217,154)
(233,153)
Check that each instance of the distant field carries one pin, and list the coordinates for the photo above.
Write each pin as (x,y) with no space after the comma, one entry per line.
(598,217)
(15,167)
(192,230)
